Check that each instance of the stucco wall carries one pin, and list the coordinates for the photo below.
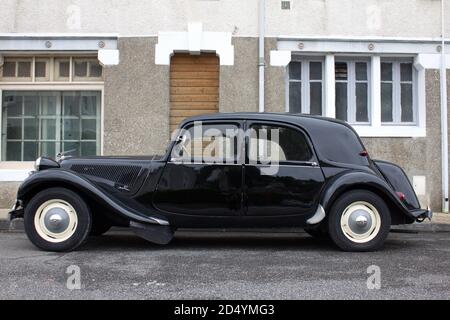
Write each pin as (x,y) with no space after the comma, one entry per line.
(405,18)
(136,115)
(239,82)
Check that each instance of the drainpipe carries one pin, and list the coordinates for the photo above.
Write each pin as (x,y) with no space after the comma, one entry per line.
(444,125)
(261,62)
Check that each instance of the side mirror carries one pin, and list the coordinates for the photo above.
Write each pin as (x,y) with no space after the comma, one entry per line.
(180,139)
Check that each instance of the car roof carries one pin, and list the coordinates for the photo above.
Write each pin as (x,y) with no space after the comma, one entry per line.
(303,120)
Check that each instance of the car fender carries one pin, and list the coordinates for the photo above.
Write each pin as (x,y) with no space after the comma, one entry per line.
(351,180)
(61,177)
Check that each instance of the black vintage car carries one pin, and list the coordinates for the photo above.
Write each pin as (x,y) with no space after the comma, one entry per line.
(239,170)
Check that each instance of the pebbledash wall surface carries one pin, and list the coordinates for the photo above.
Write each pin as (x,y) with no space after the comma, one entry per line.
(95,76)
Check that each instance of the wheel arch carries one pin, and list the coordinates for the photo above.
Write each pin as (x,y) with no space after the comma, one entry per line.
(363,181)
(94,197)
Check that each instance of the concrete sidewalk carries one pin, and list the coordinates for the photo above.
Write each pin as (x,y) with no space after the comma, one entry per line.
(439,223)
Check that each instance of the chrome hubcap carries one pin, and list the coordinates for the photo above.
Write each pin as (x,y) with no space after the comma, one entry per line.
(360,222)
(56,220)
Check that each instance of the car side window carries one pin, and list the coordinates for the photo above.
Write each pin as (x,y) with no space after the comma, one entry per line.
(209,143)
(271,143)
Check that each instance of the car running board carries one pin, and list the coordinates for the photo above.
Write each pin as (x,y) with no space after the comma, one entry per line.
(152,232)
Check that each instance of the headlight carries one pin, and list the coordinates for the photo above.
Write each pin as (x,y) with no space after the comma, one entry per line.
(37,164)
(43,163)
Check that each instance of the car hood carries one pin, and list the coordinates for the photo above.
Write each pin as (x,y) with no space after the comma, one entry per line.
(115,173)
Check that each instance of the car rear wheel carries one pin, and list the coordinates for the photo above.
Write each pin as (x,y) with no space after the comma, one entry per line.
(57,219)
(359,221)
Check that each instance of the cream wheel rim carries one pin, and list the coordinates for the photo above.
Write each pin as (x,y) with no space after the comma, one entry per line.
(360,222)
(55,220)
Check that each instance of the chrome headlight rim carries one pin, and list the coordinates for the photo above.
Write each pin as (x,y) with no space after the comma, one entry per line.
(37,164)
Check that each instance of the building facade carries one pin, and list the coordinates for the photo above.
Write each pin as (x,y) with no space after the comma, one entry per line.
(115,77)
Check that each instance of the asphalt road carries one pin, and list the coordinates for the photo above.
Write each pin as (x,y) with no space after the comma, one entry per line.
(219,265)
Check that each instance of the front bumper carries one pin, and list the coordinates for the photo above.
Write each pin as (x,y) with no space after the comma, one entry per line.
(421,214)
(17,210)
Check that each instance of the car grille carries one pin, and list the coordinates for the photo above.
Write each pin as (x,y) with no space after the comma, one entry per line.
(124,175)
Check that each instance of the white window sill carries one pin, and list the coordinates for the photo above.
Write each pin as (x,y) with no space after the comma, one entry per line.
(393,131)
(13,171)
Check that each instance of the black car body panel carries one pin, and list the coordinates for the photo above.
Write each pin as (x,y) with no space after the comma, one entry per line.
(157,190)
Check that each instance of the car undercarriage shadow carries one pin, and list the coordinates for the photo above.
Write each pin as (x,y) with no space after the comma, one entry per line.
(216,240)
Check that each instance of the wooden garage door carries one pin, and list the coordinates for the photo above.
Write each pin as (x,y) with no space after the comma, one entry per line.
(194,86)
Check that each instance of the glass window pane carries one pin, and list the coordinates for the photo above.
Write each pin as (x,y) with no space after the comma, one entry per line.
(274,144)
(340,70)
(80,68)
(362,114)
(295,97)
(89,127)
(14,129)
(48,105)
(88,148)
(31,105)
(95,69)
(64,69)
(72,129)
(30,151)
(30,130)
(315,71)
(71,105)
(40,69)
(48,129)
(13,105)
(24,69)
(72,148)
(341,101)
(89,105)
(361,71)
(386,102)
(9,69)
(295,70)
(386,71)
(13,151)
(406,72)
(48,149)
(407,102)
(315,102)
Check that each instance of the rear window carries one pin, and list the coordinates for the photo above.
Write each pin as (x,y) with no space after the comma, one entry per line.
(339,143)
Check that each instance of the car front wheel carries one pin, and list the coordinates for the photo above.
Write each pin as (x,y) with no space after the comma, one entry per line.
(57,219)
(359,221)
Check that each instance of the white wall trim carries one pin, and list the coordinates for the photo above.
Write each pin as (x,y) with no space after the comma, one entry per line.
(56,42)
(194,41)
(359,46)
(280,58)
(108,57)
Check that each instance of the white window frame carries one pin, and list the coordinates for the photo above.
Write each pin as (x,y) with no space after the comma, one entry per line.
(351,88)
(396,91)
(19,170)
(305,83)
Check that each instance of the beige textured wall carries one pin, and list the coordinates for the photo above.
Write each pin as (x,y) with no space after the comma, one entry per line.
(136,116)
(405,18)
(239,82)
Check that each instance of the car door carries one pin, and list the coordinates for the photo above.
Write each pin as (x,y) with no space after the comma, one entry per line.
(282,175)
(203,175)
